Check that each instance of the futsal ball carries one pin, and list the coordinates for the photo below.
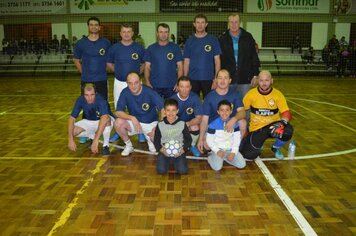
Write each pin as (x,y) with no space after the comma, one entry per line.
(172,147)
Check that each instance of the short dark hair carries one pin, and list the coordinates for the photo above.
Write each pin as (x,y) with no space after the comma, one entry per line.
(184,78)
(93,18)
(170,102)
(201,16)
(126,25)
(164,25)
(224,102)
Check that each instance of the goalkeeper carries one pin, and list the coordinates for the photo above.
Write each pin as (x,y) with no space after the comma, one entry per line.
(270,118)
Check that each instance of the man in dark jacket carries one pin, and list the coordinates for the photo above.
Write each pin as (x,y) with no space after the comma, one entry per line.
(239,56)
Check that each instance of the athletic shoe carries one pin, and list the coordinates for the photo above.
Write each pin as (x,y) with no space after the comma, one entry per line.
(277,153)
(106,151)
(127,150)
(114,138)
(83,139)
(141,138)
(151,147)
(195,151)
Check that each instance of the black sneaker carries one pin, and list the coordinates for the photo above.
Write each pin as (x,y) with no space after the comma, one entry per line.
(106,151)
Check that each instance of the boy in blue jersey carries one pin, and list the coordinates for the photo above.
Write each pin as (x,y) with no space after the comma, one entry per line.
(163,63)
(223,144)
(142,104)
(172,128)
(201,57)
(190,110)
(97,121)
(124,57)
(210,106)
(90,56)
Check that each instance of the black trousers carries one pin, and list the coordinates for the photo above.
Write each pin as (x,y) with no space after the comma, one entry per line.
(201,85)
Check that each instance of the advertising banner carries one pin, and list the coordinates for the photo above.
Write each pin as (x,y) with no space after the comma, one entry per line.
(33,7)
(112,6)
(201,5)
(289,6)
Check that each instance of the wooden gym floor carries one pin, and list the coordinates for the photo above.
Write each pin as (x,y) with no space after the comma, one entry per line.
(45,189)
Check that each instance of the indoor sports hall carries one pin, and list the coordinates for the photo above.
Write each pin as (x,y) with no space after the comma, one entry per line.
(47,189)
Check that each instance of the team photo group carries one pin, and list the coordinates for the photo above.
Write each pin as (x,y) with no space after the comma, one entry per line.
(208,98)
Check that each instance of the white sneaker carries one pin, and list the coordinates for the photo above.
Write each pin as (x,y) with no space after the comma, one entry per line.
(151,147)
(127,150)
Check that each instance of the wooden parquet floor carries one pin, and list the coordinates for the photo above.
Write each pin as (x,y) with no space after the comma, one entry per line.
(45,189)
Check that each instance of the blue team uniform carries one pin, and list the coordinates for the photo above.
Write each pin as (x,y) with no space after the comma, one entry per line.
(211,102)
(163,61)
(94,57)
(91,111)
(126,59)
(201,52)
(143,106)
(189,108)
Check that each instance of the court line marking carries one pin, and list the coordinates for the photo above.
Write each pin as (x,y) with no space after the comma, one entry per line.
(288,203)
(325,117)
(49,158)
(35,113)
(325,103)
(67,212)
(5,112)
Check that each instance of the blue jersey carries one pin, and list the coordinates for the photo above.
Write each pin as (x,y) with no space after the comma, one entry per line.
(126,59)
(190,108)
(201,53)
(143,106)
(211,102)
(94,57)
(163,61)
(91,111)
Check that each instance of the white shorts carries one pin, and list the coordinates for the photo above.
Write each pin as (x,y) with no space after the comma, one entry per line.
(90,127)
(118,87)
(146,128)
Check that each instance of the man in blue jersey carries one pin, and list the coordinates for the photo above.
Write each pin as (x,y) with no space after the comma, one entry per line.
(201,57)
(190,109)
(163,63)
(124,57)
(90,56)
(210,107)
(142,104)
(97,121)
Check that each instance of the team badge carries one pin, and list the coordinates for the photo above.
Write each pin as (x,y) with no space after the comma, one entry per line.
(170,56)
(189,110)
(271,102)
(134,56)
(207,48)
(102,51)
(97,113)
(145,106)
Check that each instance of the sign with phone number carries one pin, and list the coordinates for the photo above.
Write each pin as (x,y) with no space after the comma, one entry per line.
(33,7)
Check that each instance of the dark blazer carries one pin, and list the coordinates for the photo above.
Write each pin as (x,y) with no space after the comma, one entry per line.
(248,62)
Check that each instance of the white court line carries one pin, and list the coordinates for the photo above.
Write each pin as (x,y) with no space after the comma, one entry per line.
(288,203)
(35,113)
(135,150)
(5,112)
(325,103)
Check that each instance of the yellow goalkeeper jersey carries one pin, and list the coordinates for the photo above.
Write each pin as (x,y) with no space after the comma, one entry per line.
(264,108)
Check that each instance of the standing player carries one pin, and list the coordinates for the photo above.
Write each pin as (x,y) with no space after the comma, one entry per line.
(210,107)
(201,57)
(97,121)
(90,59)
(163,63)
(124,57)
(269,118)
(142,104)
(190,110)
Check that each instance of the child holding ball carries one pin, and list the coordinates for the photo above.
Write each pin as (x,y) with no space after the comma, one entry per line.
(171,130)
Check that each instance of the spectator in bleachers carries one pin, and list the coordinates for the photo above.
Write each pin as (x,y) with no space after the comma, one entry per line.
(64,44)
(55,44)
(140,40)
(334,45)
(14,47)
(297,44)
(173,38)
(309,55)
(325,54)
(352,61)
(5,46)
(343,42)
(181,41)
(343,58)
(22,46)
(44,46)
(239,56)
(74,42)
